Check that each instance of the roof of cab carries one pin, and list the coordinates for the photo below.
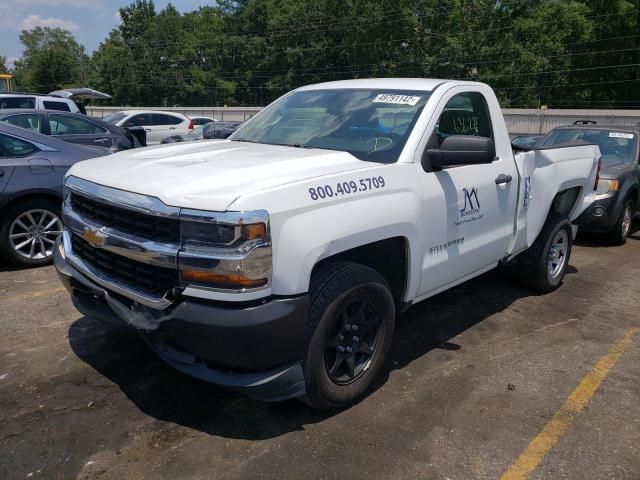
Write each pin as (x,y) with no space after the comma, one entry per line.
(424,84)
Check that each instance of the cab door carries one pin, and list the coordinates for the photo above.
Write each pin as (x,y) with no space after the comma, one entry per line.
(468,210)
(143,120)
(164,125)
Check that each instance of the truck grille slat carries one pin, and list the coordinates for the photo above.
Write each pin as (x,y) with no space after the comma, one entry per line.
(157,229)
(153,280)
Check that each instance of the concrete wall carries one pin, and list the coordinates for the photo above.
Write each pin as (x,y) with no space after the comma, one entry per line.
(519,120)
(219,113)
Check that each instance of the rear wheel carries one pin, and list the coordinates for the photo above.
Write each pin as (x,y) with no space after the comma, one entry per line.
(28,232)
(543,266)
(351,322)
(622,228)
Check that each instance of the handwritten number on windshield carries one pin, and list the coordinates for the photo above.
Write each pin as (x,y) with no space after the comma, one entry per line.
(379,143)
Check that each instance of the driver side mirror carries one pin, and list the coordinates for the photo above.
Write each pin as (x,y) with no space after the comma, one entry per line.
(458,150)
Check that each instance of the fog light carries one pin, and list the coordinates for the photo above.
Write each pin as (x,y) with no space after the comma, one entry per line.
(598,211)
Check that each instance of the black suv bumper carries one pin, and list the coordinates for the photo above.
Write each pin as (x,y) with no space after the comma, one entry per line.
(601,216)
(253,349)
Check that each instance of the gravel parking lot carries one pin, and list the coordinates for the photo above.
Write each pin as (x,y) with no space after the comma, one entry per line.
(476,375)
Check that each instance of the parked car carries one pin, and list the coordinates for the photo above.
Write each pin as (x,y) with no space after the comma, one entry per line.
(80,96)
(39,102)
(202,120)
(157,124)
(618,194)
(208,131)
(274,262)
(526,142)
(32,167)
(72,127)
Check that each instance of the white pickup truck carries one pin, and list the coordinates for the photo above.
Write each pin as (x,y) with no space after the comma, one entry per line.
(275,262)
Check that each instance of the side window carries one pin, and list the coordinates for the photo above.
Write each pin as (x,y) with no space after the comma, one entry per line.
(61,106)
(465,114)
(28,121)
(67,125)
(14,147)
(136,121)
(163,119)
(17,102)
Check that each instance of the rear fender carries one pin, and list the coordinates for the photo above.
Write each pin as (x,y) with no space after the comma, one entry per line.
(545,174)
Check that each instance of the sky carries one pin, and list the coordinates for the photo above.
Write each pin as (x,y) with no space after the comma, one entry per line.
(89,20)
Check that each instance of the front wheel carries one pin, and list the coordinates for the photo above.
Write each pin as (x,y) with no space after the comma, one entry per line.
(622,228)
(543,266)
(28,232)
(351,322)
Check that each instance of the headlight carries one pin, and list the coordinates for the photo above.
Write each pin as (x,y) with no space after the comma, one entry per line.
(228,251)
(606,186)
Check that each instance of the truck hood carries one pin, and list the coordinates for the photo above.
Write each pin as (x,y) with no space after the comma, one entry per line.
(211,175)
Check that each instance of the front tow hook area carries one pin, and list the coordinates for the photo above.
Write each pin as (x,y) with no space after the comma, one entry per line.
(137,315)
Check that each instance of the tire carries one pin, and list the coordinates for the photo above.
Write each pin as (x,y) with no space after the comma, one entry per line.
(618,235)
(354,301)
(30,213)
(542,268)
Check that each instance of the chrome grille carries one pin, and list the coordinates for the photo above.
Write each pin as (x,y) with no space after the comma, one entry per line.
(151,280)
(130,222)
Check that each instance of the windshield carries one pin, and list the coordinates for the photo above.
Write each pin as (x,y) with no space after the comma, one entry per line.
(114,117)
(370,124)
(615,146)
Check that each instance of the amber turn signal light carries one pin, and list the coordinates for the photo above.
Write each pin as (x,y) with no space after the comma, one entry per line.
(614,185)
(225,281)
(254,231)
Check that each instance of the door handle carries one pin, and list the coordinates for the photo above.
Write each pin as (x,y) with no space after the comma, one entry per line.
(147,129)
(172,128)
(502,178)
(101,140)
(1,173)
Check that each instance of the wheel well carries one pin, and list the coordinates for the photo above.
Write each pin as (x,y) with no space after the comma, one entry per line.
(565,200)
(388,257)
(31,196)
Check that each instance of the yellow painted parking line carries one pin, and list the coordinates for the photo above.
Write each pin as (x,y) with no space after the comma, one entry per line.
(555,428)
(28,296)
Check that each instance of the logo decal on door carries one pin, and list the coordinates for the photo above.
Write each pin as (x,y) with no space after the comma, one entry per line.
(471,202)
(471,206)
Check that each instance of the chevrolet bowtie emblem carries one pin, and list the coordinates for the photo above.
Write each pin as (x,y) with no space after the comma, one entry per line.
(95,237)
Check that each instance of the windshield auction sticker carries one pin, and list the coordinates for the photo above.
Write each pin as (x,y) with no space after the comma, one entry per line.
(396,99)
(621,135)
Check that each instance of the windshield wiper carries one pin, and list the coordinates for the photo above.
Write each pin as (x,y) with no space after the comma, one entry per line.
(296,145)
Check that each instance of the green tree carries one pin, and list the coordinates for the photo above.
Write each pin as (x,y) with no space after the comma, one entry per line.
(533,52)
(4,67)
(52,59)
